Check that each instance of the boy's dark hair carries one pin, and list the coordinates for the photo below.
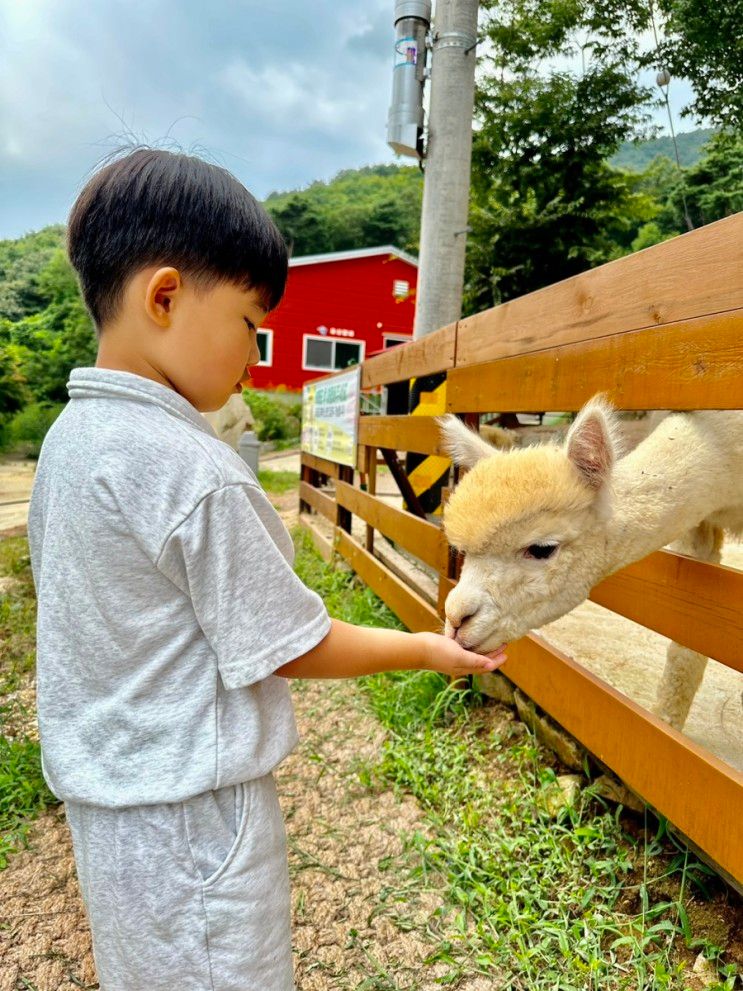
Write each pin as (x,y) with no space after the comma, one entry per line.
(158,207)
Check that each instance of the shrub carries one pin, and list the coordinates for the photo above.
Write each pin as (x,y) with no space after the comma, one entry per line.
(29,426)
(275,420)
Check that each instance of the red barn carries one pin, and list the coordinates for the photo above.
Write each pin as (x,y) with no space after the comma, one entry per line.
(338,309)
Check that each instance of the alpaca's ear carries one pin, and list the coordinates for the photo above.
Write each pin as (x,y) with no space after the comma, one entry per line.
(592,442)
(463,445)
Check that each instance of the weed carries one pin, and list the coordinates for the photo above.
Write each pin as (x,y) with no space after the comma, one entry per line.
(575,903)
(278,482)
(23,792)
(17,616)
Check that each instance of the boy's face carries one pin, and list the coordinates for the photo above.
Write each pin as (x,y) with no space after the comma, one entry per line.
(200,342)
(211,342)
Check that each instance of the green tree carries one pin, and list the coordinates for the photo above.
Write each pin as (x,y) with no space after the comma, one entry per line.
(358,208)
(704,44)
(714,186)
(13,393)
(545,203)
(21,262)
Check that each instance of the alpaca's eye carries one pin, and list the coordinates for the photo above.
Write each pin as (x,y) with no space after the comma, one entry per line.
(540,552)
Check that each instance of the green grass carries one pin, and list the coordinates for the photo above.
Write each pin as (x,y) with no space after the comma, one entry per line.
(594,899)
(23,792)
(278,482)
(17,616)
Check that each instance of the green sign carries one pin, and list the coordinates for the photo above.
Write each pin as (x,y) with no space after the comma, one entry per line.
(330,417)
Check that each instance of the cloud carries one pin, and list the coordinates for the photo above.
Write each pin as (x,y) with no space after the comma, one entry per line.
(280,93)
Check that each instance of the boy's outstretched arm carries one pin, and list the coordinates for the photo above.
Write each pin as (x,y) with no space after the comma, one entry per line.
(350,651)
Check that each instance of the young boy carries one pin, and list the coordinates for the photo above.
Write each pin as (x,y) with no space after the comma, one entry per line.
(169,617)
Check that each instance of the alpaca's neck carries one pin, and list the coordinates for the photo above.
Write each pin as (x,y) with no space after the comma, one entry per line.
(683,472)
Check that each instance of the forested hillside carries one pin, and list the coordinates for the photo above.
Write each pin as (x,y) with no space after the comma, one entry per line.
(359,208)
(514,247)
(637,155)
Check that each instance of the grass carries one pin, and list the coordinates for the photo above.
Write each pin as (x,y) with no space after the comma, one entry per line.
(592,899)
(278,482)
(23,791)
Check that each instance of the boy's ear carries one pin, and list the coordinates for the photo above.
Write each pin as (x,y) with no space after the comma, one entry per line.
(161,288)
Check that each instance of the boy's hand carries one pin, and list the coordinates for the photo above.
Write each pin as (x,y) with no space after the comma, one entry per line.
(446,656)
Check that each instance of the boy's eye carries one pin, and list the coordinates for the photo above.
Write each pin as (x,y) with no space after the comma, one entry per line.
(540,552)
(251,326)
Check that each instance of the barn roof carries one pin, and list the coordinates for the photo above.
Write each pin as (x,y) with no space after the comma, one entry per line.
(343,256)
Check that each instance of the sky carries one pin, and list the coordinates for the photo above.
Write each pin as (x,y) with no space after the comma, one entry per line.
(280,92)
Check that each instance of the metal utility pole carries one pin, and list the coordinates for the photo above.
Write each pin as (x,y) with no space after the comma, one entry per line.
(447,155)
(448,158)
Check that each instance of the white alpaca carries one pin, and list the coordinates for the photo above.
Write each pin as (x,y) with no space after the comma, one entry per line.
(540,526)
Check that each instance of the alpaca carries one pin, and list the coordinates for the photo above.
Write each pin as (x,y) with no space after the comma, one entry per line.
(540,526)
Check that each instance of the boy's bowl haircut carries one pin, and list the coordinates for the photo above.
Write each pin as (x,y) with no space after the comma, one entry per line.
(150,207)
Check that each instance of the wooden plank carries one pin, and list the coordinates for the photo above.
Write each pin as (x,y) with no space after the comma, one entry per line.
(692,602)
(414,611)
(371,488)
(700,794)
(402,433)
(386,554)
(432,353)
(697,364)
(423,539)
(323,543)
(363,458)
(321,502)
(697,604)
(343,518)
(693,275)
(330,468)
(403,482)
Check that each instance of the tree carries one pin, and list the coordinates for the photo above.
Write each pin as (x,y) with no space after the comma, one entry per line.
(13,393)
(545,203)
(704,44)
(714,186)
(21,261)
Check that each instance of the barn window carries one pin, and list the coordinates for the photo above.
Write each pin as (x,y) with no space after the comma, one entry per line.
(400,288)
(323,354)
(265,346)
(390,340)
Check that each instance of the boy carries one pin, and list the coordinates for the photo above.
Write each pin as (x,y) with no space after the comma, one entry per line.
(169,617)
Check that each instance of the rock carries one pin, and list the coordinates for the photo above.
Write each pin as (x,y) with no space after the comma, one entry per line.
(706,971)
(613,790)
(560,793)
(570,753)
(496,686)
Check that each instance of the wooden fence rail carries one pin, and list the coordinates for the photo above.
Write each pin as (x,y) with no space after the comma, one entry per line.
(662,329)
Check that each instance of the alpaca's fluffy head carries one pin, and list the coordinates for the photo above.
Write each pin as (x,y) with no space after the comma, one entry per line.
(531,525)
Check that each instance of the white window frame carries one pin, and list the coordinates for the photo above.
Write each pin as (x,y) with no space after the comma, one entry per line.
(333,341)
(398,338)
(269,349)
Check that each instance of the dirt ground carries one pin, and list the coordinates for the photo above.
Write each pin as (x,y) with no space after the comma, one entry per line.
(338,834)
(339,838)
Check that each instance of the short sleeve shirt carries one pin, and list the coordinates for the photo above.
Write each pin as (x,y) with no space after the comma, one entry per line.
(166,600)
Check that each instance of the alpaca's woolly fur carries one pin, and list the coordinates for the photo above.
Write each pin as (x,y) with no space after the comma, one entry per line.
(681,487)
(514,491)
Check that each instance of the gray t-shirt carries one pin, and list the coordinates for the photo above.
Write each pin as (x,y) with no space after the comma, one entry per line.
(166,599)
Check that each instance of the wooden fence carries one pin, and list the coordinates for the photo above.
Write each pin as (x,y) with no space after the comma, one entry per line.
(656,330)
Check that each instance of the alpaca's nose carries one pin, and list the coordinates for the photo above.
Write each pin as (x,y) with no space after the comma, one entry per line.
(458,610)
(455,627)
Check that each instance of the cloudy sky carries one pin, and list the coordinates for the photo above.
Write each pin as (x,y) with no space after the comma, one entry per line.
(280,92)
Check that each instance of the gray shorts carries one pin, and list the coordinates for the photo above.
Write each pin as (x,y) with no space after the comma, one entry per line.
(188,896)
